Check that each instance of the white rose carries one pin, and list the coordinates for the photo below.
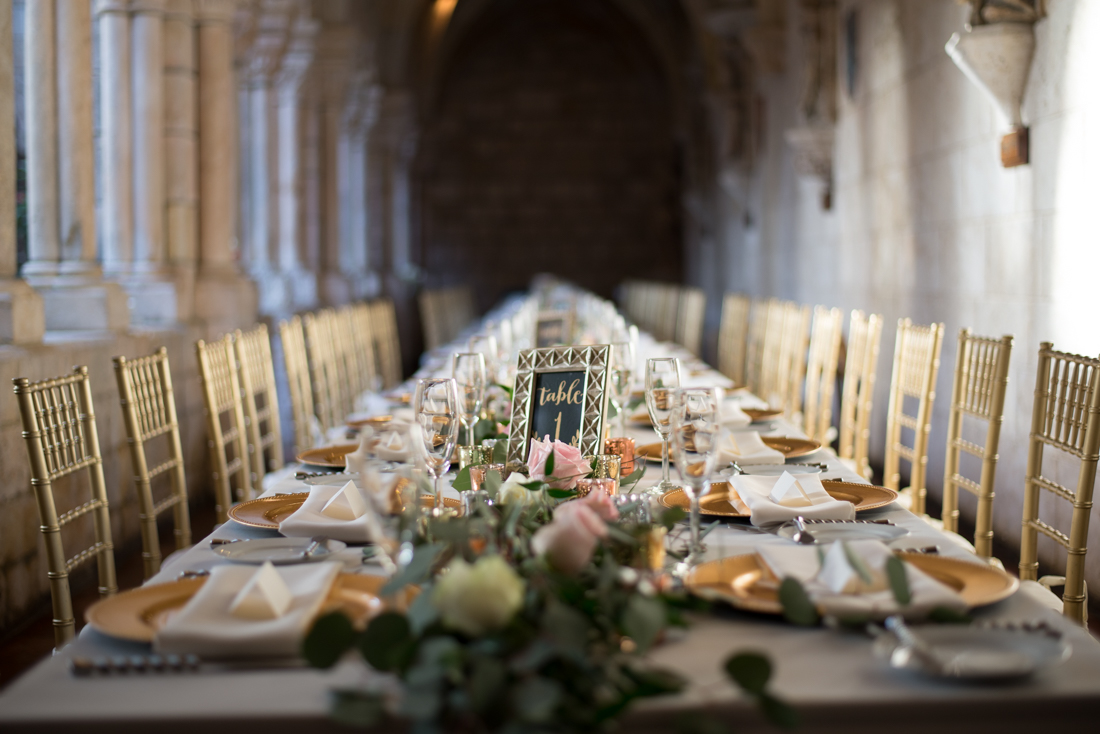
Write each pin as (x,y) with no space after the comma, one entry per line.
(513,492)
(479,598)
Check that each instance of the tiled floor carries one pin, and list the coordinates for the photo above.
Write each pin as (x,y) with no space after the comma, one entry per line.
(22,648)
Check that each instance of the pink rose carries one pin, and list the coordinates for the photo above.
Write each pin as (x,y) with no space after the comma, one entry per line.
(570,540)
(569,465)
(600,503)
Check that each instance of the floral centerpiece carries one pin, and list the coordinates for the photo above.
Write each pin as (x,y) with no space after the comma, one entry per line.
(530,616)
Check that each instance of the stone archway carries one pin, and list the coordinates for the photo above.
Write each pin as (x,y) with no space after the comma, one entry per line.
(549,146)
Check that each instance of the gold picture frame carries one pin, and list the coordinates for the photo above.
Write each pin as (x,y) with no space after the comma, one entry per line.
(554,329)
(537,366)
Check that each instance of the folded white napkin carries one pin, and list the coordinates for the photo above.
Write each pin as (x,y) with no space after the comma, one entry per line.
(370,404)
(747,448)
(393,444)
(311,520)
(801,495)
(207,627)
(733,416)
(838,588)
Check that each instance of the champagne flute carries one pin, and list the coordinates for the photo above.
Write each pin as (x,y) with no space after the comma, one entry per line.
(622,370)
(436,408)
(696,431)
(468,370)
(485,344)
(662,379)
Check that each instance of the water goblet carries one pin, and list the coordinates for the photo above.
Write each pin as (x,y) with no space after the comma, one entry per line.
(468,370)
(485,344)
(622,370)
(696,424)
(662,379)
(435,432)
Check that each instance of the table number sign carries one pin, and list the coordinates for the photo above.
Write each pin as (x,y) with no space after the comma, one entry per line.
(560,392)
(553,328)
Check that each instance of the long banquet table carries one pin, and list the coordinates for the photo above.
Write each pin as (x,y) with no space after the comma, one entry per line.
(830,677)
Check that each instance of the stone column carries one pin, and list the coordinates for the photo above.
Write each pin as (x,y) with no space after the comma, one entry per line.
(116,162)
(181,151)
(332,73)
(264,231)
(61,177)
(22,318)
(223,297)
(353,201)
(150,285)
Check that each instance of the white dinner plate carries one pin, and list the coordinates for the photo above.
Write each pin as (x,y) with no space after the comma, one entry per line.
(829,532)
(978,652)
(280,551)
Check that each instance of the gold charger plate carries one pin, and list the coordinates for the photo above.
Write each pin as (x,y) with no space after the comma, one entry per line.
(268,512)
(746,583)
(788,446)
(138,614)
(716,503)
(404,398)
(330,457)
(761,414)
(373,422)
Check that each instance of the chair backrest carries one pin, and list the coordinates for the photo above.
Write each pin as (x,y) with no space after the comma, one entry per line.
(60,430)
(817,413)
(689,319)
(978,391)
(733,333)
(792,359)
(225,428)
(758,336)
(297,374)
(1066,418)
(261,401)
(857,397)
(387,345)
(363,343)
(431,318)
(349,354)
(916,364)
(324,374)
(148,411)
(668,310)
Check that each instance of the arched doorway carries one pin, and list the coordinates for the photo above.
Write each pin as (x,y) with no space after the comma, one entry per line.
(548,146)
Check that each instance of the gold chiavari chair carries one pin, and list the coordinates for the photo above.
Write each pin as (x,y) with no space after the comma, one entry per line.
(60,430)
(860,365)
(149,411)
(916,364)
(1066,418)
(817,415)
(225,428)
(431,318)
(296,362)
(349,356)
(978,392)
(668,307)
(387,346)
(261,403)
(323,373)
(792,360)
(733,332)
(754,349)
(689,319)
(363,343)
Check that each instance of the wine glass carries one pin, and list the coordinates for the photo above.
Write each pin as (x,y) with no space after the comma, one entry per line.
(622,370)
(468,370)
(485,344)
(662,379)
(437,411)
(696,431)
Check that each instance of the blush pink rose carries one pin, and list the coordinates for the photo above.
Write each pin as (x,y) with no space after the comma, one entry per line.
(569,541)
(569,465)
(600,503)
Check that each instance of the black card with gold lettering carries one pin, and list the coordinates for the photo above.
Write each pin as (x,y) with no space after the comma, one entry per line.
(557,409)
(550,332)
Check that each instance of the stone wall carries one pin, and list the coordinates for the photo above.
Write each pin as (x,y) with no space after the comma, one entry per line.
(927,224)
(23,584)
(550,148)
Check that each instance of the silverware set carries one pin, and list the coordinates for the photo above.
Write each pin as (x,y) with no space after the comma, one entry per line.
(103,666)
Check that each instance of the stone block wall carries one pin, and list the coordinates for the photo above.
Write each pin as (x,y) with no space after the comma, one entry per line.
(23,585)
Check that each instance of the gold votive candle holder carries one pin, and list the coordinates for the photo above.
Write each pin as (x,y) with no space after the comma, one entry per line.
(606,466)
(622,447)
(588,485)
(653,548)
(472,456)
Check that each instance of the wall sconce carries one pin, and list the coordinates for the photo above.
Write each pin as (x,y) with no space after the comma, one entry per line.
(997,58)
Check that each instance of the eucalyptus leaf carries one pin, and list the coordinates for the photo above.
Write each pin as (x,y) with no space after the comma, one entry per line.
(899,581)
(634,477)
(500,451)
(548,467)
(422,613)
(483,429)
(778,712)
(357,708)
(565,626)
(671,516)
(858,564)
(750,670)
(797,606)
(562,494)
(486,682)
(944,615)
(330,637)
(643,620)
(492,483)
(461,482)
(417,570)
(536,486)
(387,641)
(506,389)
(535,699)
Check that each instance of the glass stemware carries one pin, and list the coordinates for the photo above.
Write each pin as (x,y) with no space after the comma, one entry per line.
(486,344)
(622,370)
(436,408)
(662,379)
(468,370)
(696,431)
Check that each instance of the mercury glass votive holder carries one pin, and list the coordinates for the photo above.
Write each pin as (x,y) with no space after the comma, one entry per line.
(622,447)
(472,456)
(588,485)
(606,466)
